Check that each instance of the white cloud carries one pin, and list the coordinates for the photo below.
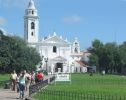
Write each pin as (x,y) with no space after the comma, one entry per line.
(2,21)
(72,19)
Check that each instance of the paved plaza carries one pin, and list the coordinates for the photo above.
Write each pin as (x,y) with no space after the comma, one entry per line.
(7,94)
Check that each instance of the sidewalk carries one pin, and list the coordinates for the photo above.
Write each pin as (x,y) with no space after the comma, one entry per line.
(7,94)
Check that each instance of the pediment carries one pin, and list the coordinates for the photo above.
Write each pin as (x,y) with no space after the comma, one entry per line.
(55,40)
(59,58)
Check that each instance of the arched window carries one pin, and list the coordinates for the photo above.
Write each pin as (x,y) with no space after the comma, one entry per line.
(76,43)
(54,49)
(75,50)
(32,12)
(32,25)
(32,33)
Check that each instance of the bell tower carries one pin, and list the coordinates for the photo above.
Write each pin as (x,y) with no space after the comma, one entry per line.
(76,46)
(31,23)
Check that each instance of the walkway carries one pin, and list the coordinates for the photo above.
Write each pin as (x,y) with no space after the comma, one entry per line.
(7,94)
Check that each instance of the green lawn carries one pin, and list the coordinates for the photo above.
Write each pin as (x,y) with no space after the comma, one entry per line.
(4,77)
(110,85)
(98,84)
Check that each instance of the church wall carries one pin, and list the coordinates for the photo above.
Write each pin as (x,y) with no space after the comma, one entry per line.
(47,51)
(51,54)
(65,52)
(44,51)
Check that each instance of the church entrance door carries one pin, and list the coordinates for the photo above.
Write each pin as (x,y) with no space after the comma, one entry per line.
(59,66)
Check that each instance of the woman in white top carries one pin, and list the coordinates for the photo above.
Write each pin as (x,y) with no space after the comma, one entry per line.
(22,85)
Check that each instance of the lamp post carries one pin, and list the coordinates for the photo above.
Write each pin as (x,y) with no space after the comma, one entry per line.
(46,60)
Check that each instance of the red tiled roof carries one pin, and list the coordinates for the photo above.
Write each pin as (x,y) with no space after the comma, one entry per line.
(82,63)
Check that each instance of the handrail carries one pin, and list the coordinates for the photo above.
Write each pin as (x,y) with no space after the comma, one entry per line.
(38,86)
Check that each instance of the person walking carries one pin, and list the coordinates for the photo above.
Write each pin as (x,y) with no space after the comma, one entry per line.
(22,85)
(13,80)
(33,77)
(17,80)
(28,80)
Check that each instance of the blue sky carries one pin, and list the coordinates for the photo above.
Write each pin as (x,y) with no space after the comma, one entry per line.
(86,19)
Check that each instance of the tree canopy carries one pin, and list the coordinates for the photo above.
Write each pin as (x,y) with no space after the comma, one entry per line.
(109,57)
(15,54)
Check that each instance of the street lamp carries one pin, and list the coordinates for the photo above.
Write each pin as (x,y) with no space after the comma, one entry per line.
(46,60)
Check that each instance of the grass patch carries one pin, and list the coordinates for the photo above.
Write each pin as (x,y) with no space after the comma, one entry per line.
(113,85)
(98,84)
(3,78)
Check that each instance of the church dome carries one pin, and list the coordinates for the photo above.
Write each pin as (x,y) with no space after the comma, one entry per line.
(31,5)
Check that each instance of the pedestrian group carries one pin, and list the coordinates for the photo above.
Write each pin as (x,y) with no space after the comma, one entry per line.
(20,82)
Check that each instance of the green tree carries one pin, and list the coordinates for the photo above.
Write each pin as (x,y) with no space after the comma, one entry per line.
(122,52)
(105,56)
(112,57)
(15,54)
(96,51)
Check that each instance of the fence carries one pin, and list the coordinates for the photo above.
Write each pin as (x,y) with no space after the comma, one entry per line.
(5,84)
(63,95)
(38,86)
(45,94)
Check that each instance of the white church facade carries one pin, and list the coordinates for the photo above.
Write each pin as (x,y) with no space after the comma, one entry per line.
(57,53)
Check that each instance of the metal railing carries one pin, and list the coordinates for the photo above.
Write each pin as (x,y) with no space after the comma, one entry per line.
(64,95)
(38,86)
(45,94)
(3,84)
